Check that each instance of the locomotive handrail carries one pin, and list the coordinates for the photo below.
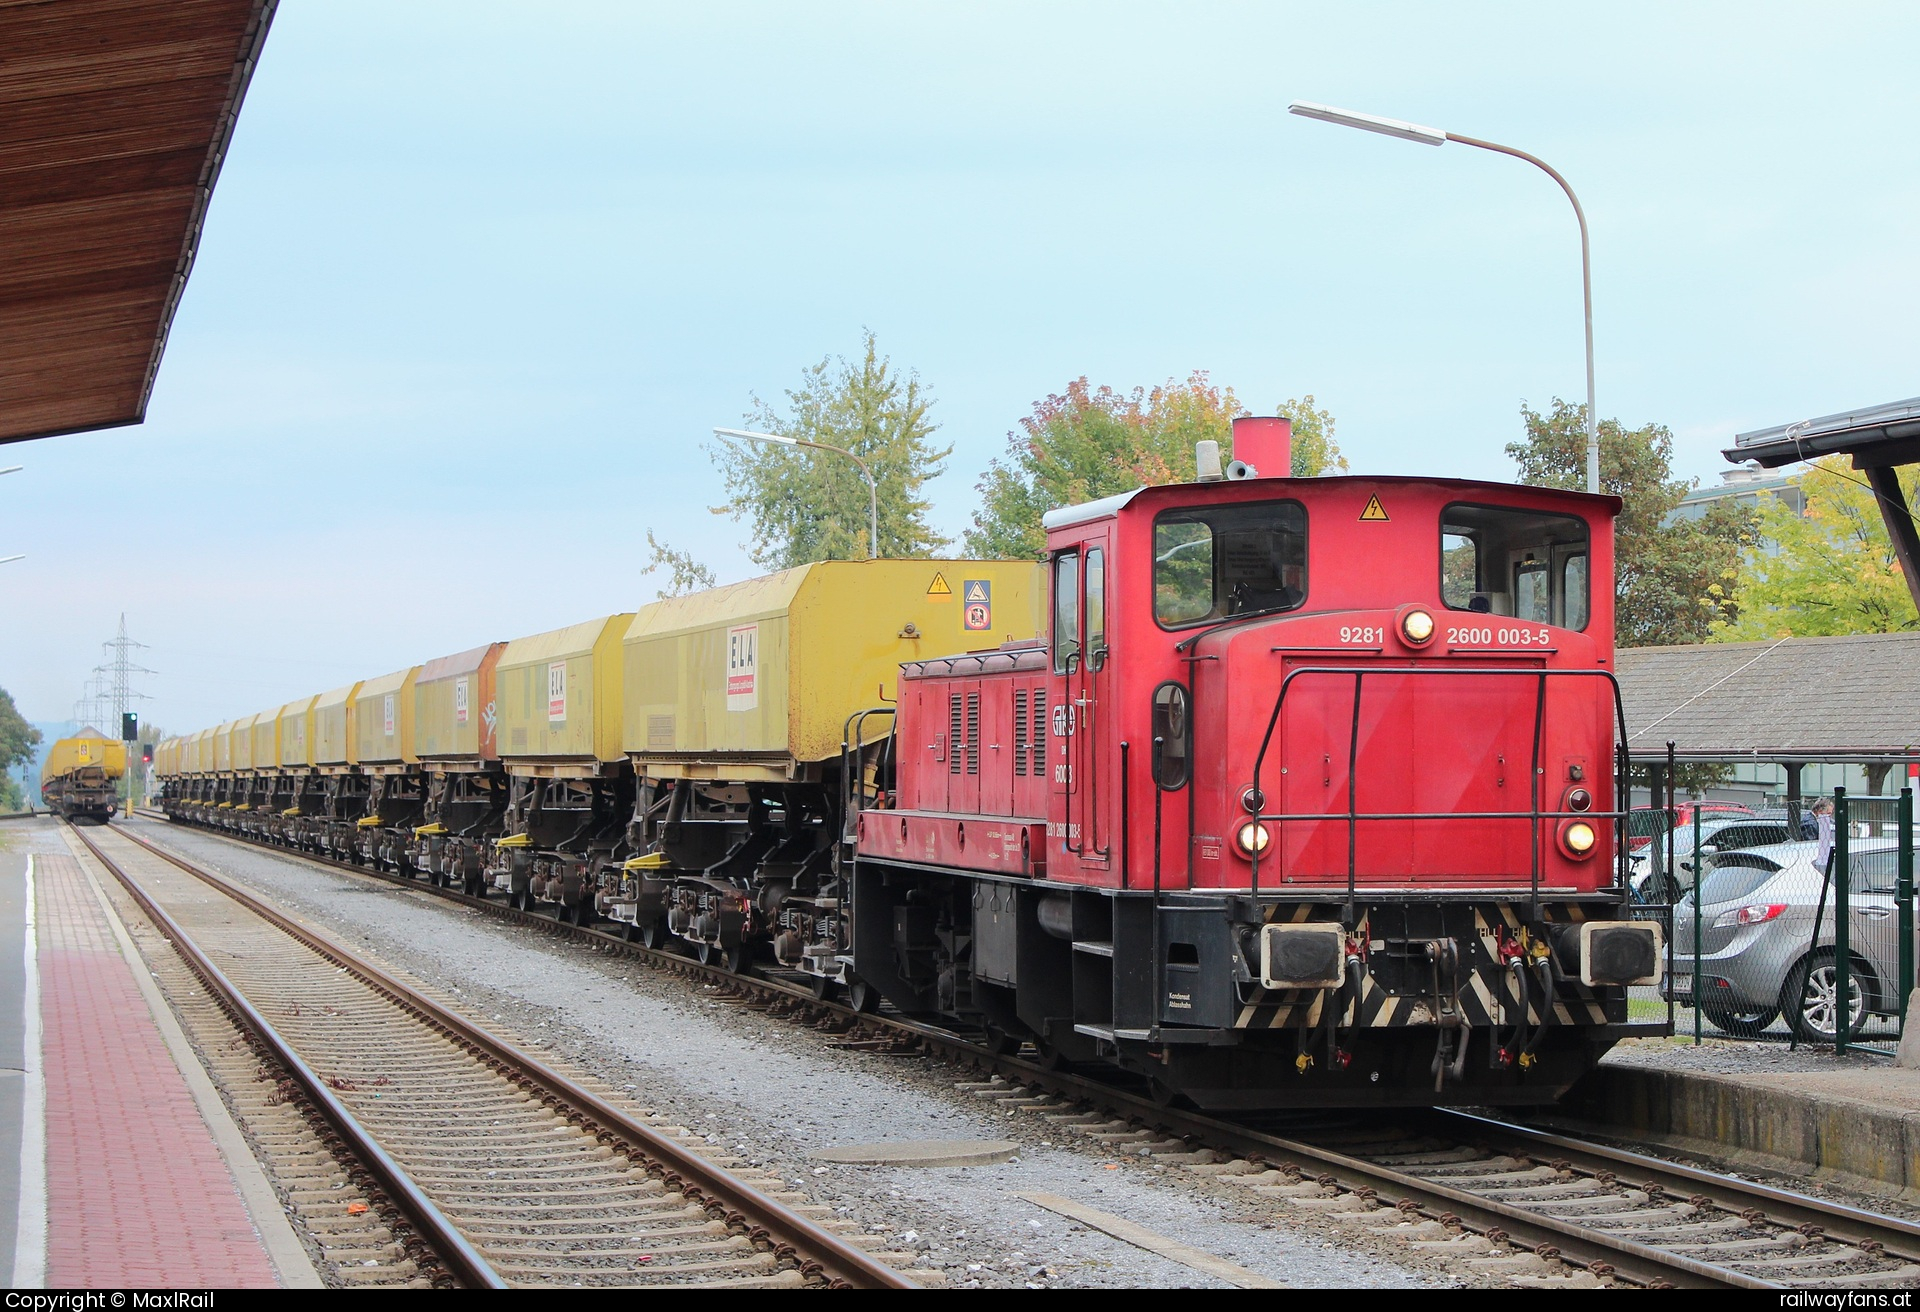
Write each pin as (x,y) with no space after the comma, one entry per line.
(853,796)
(1533,815)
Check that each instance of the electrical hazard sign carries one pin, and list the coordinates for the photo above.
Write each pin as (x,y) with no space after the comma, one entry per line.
(939,589)
(1375,512)
(976,595)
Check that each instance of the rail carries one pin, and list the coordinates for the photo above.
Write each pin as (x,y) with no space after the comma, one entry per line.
(835,1260)
(1576,1245)
(469,1269)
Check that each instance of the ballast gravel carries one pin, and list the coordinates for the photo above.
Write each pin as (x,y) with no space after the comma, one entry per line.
(1736,1057)
(774,1094)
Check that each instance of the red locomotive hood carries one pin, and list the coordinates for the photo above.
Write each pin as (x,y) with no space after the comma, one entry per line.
(1290,710)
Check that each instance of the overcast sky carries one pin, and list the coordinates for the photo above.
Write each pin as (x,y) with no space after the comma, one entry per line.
(478,278)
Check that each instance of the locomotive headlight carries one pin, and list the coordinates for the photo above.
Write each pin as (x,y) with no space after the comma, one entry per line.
(1577,838)
(1252,838)
(1416,626)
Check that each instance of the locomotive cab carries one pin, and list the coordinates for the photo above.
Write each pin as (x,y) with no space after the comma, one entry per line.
(1308,796)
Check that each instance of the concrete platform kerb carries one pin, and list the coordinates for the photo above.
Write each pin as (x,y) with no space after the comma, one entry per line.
(1856,1126)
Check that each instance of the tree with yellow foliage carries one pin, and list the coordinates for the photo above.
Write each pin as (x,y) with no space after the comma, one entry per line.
(1829,571)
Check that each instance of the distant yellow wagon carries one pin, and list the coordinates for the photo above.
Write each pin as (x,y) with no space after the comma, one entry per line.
(82,776)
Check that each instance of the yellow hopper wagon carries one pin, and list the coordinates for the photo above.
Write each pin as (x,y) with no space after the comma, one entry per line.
(396,786)
(684,770)
(570,790)
(750,712)
(81,779)
(455,715)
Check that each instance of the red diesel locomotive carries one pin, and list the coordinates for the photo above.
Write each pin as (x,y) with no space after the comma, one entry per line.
(1310,797)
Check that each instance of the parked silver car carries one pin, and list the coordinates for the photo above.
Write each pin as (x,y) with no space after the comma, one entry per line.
(1718,833)
(1759,956)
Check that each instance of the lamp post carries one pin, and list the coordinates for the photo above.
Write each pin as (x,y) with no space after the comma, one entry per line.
(873,492)
(1391,127)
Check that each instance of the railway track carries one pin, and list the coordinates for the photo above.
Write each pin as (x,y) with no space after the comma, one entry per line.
(510,1172)
(1519,1202)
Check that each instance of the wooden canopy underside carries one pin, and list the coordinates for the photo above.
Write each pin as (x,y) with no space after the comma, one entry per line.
(114,118)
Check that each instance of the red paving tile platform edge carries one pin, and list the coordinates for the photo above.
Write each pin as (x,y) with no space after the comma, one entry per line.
(138,1192)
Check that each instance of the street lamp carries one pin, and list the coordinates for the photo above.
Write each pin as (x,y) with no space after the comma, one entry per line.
(873,493)
(1393,127)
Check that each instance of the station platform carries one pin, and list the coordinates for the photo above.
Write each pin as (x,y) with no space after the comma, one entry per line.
(1854,1121)
(120,1166)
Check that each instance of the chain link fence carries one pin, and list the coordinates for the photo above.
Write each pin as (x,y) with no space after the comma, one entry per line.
(1806,941)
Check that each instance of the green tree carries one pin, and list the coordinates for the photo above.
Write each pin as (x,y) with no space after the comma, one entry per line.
(684,572)
(1673,579)
(1829,571)
(1315,453)
(812,505)
(1088,443)
(18,739)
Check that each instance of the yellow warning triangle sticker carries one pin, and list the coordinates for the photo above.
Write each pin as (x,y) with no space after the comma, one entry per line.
(1374,511)
(939,588)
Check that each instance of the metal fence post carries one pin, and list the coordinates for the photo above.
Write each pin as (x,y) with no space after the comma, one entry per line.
(1842,945)
(1903,898)
(1699,877)
(1673,882)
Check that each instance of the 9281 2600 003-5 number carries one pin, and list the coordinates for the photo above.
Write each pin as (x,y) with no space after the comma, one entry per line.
(1514,637)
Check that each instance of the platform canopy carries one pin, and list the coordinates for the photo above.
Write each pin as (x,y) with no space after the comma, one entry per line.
(1880,438)
(1845,699)
(114,119)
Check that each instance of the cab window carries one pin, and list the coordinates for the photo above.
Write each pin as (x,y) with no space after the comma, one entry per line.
(1096,604)
(1219,562)
(1066,609)
(1534,567)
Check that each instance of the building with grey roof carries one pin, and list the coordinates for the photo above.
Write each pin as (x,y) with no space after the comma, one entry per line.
(1774,706)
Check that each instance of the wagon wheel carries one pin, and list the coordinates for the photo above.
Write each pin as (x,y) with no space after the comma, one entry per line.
(708,954)
(823,987)
(1051,1058)
(1000,1043)
(737,959)
(1162,1093)
(862,996)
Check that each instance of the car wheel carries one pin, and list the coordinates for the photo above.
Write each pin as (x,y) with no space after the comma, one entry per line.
(1741,1024)
(1810,998)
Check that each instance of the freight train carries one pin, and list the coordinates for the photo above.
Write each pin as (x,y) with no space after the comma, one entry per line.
(81,779)
(1273,792)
